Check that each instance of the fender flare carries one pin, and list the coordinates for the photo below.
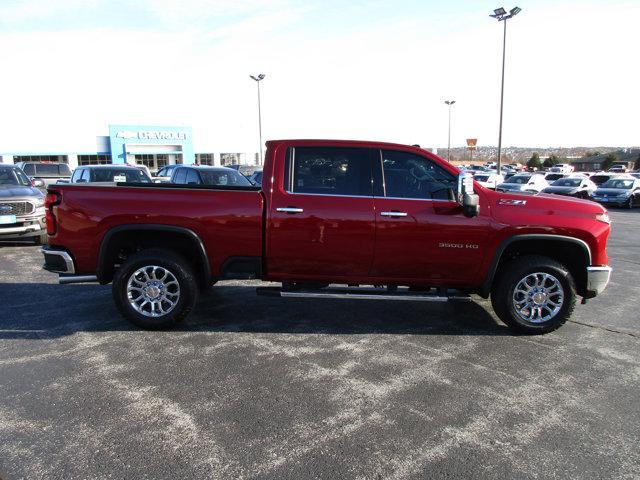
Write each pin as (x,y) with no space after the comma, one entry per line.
(104,245)
(485,288)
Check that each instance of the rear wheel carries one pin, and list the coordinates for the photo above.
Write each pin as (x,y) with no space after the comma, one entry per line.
(534,294)
(155,289)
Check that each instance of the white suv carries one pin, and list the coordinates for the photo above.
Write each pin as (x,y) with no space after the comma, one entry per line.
(524,183)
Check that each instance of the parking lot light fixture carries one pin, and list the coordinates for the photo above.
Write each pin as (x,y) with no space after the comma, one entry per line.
(449,103)
(258,78)
(501,15)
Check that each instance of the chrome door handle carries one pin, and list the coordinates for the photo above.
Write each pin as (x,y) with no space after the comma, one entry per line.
(289,209)
(393,214)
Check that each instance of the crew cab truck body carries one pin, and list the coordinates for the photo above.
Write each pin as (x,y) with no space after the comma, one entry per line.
(392,217)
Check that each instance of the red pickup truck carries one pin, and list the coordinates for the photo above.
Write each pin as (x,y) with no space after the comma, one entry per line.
(333,219)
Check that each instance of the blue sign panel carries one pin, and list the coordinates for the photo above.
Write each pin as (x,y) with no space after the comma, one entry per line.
(129,140)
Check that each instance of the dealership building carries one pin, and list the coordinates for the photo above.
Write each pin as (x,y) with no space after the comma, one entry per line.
(153,146)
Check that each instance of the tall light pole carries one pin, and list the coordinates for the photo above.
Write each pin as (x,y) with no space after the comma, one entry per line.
(501,15)
(258,78)
(449,102)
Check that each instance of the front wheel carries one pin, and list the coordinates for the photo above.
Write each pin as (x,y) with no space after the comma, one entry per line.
(534,294)
(155,289)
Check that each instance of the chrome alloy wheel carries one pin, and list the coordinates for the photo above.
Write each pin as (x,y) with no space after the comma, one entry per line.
(538,297)
(153,291)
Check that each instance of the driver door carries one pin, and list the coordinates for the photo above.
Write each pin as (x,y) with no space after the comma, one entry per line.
(422,235)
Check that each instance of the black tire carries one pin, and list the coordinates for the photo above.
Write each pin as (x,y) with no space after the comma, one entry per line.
(630,203)
(41,239)
(176,266)
(515,271)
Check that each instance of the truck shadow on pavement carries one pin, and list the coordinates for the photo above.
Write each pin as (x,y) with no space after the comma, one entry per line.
(43,311)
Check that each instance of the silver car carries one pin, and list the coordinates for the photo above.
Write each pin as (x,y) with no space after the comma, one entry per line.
(22,213)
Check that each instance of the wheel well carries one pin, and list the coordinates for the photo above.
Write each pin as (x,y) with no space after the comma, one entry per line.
(573,255)
(121,242)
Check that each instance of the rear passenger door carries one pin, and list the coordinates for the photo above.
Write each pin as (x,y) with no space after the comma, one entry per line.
(321,221)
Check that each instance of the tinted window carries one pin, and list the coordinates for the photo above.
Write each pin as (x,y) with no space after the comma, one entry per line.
(51,169)
(192,177)
(224,177)
(331,171)
(77,173)
(180,176)
(618,183)
(599,179)
(131,175)
(13,176)
(568,182)
(407,175)
(519,179)
(85,175)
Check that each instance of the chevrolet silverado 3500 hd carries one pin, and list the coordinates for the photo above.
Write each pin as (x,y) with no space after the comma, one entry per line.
(385,221)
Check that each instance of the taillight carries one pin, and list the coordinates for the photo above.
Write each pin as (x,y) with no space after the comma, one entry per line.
(52,199)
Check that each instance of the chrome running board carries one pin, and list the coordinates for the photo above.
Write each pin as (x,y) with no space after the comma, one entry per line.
(358,293)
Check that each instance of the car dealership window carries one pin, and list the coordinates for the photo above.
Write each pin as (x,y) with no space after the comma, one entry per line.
(100,159)
(407,175)
(330,171)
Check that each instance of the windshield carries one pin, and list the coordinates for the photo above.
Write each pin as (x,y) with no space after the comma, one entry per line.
(481,178)
(519,179)
(220,177)
(130,175)
(554,176)
(567,182)
(625,183)
(13,176)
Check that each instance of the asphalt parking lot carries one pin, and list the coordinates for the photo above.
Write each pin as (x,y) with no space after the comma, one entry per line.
(255,387)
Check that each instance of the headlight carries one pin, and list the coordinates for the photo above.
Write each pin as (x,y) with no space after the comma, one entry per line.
(603,217)
(39,202)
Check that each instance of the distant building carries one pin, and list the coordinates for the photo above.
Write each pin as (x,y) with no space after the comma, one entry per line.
(153,146)
(630,158)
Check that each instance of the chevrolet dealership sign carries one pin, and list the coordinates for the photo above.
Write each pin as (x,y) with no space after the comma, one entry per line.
(151,135)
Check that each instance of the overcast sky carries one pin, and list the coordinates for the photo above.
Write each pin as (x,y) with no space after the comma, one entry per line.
(334,69)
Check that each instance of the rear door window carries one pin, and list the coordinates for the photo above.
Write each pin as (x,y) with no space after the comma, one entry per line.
(329,171)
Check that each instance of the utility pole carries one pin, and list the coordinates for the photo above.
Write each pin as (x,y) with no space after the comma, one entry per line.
(501,15)
(259,78)
(449,103)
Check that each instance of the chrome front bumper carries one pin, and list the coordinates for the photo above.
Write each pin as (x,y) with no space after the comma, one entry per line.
(597,279)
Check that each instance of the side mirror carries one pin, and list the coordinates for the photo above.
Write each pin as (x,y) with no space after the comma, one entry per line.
(466,197)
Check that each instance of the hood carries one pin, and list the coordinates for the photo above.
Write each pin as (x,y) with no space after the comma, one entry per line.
(612,192)
(18,191)
(543,211)
(561,189)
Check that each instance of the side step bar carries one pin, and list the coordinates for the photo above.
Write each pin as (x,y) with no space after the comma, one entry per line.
(65,279)
(442,295)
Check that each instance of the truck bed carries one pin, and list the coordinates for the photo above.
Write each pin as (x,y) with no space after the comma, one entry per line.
(227,219)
